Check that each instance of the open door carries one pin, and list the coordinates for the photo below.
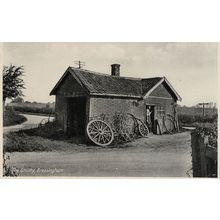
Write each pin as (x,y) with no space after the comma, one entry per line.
(150,118)
(76,115)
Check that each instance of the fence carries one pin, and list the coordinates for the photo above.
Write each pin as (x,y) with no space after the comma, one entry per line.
(204,156)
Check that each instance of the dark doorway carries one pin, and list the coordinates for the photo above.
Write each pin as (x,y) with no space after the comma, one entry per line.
(76,116)
(150,118)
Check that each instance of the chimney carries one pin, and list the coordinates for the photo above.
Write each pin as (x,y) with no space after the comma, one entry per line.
(115,69)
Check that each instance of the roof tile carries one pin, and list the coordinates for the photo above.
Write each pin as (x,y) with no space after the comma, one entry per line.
(103,84)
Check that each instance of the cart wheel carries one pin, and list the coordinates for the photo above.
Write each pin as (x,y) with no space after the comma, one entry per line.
(129,125)
(143,129)
(169,125)
(100,133)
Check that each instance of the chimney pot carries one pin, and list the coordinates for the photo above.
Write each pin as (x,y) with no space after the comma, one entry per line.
(115,69)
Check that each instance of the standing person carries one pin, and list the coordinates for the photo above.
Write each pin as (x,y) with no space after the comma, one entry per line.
(149,123)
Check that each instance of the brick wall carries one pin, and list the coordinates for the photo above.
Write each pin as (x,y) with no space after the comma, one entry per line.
(107,105)
(69,88)
(167,103)
(161,103)
(99,105)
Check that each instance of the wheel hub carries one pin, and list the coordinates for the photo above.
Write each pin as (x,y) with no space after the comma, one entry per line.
(100,132)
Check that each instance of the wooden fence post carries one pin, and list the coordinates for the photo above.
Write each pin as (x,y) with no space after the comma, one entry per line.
(203,142)
(195,155)
(204,157)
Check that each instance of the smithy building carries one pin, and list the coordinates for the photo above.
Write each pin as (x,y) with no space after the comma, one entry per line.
(82,94)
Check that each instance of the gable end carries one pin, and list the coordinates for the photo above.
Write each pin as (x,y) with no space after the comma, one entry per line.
(162,91)
(159,89)
(69,86)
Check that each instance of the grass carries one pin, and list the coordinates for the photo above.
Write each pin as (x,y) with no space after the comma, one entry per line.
(49,138)
(53,131)
(197,120)
(46,138)
(10,117)
(22,142)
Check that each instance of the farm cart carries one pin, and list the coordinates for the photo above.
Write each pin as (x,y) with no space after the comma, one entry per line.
(103,129)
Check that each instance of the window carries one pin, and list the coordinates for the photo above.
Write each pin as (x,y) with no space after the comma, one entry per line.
(160,111)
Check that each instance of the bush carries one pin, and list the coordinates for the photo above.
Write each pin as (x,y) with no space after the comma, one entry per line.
(7,169)
(32,109)
(50,130)
(191,119)
(20,142)
(10,117)
(211,132)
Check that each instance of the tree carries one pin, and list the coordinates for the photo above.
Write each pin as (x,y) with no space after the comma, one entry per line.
(12,82)
(18,100)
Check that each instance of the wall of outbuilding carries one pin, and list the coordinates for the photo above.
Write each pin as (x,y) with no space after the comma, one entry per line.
(61,111)
(165,104)
(112,105)
(162,91)
(70,87)
(161,98)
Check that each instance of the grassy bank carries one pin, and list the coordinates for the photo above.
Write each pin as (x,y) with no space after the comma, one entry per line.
(49,138)
(46,138)
(22,142)
(197,120)
(10,117)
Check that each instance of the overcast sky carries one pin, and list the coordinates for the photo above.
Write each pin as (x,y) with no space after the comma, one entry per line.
(190,67)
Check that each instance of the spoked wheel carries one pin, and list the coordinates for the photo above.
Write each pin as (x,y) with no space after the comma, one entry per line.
(143,129)
(129,126)
(169,125)
(100,133)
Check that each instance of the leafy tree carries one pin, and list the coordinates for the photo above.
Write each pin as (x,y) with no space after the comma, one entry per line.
(18,100)
(12,82)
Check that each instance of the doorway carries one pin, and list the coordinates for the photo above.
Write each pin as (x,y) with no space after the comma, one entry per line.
(150,118)
(76,116)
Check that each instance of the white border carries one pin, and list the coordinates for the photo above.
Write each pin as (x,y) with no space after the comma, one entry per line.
(100,21)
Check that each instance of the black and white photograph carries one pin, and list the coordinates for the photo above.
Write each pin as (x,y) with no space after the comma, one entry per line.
(110,109)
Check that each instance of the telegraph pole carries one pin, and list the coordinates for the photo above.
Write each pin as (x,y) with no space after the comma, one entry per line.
(79,63)
(203,107)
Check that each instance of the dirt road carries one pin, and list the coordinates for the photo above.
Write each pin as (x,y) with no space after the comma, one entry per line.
(156,156)
(32,122)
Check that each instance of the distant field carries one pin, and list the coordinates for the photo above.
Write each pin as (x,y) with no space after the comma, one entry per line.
(196,111)
(191,116)
(34,108)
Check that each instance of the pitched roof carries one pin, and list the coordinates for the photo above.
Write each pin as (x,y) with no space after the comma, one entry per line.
(104,84)
(107,85)
(149,83)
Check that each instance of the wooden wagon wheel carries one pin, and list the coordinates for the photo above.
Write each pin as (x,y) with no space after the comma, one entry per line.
(100,133)
(143,129)
(169,124)
(128,127)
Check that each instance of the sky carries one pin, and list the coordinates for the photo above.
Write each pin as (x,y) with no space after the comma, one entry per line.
(191,68)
